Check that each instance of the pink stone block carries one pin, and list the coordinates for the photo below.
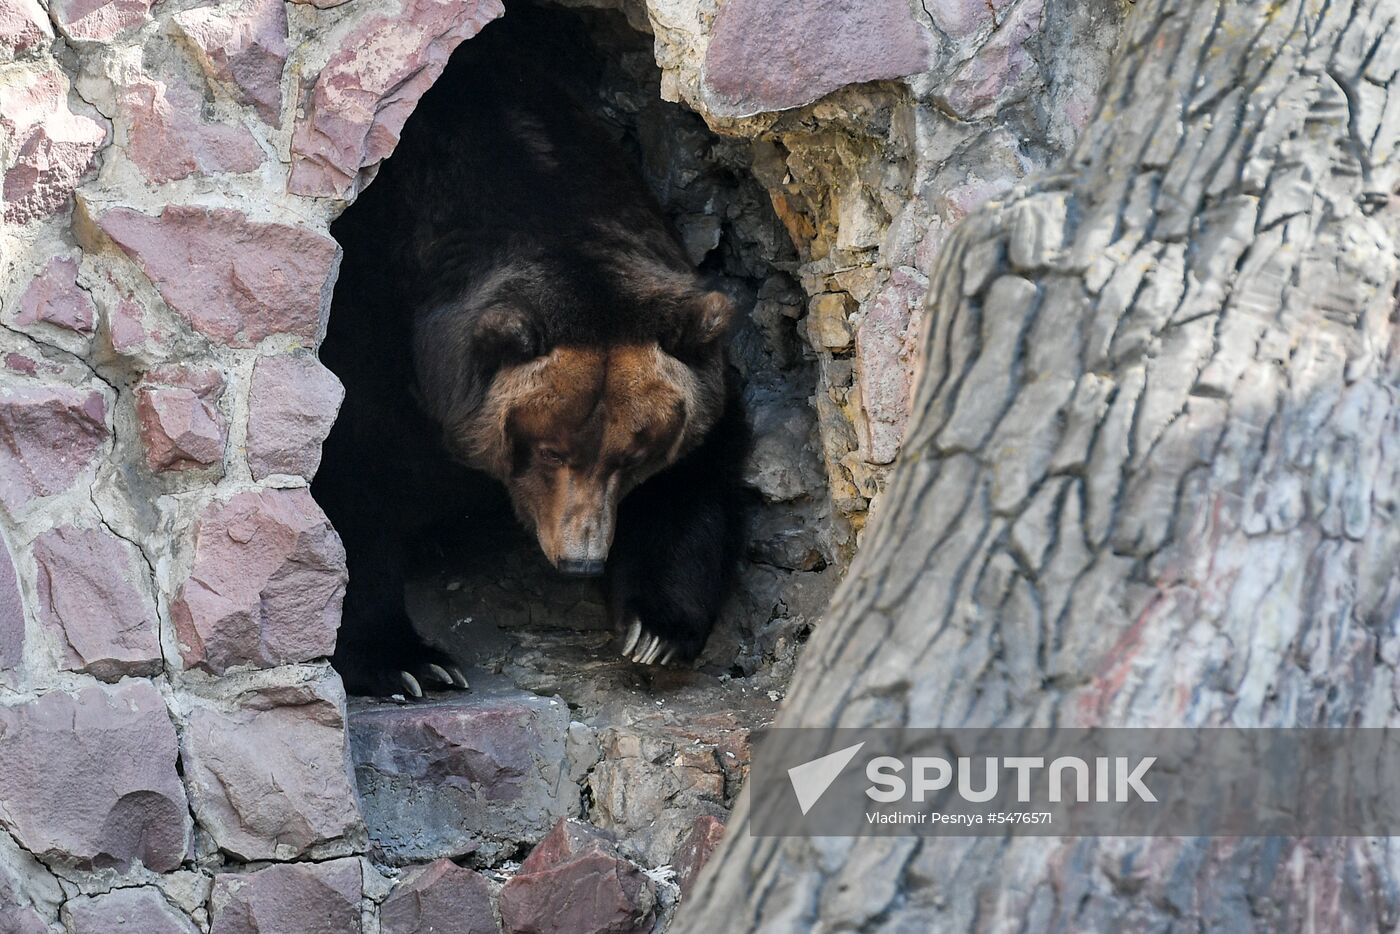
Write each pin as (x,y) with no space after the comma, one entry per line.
(960,19)
(88,597)
(120,800)
(266,586)
(55,298)
(270,775)
(49,435)
(575,880)
(305,898)
(884,367)
(242,44)
(23,26)
(181,425)
(291,408)
(126,325)
(442,897)
(180,430)
(54,147)
(99,20)
(167,139)
(354,112)
(233,279)
(767,55)
(696,849)
(980,85)
(141,910)
(11,613)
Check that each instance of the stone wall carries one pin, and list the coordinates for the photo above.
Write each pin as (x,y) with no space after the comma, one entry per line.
(173,746)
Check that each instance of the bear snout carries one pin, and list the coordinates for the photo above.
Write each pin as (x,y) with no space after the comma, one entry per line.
(580,548)
(581,568)
(576,533)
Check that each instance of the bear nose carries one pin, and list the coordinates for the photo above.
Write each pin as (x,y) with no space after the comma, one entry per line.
(577,568)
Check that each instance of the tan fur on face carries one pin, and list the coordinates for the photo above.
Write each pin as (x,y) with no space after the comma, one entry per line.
(614,416)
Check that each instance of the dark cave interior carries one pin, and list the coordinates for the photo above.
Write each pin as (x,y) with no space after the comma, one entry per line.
(478,585)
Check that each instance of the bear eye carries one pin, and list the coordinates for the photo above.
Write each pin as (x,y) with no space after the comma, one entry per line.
(551,456)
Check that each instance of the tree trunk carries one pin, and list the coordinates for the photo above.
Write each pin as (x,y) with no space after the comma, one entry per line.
(1151,479)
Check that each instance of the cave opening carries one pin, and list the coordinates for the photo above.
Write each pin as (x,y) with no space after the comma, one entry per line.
(477,583)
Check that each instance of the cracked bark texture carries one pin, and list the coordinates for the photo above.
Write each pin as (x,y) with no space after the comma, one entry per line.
(1151,479)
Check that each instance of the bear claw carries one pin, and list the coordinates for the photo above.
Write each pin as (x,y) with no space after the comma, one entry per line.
(411,685)
(646,649)
(450,676)
(633,635)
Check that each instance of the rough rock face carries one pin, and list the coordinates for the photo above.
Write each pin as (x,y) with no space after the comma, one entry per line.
(53,146)
(181,430)
(361,98)
(999,64)
(868,180)
(696,849)
(654,780)
(29,894)
(308,898)
(54,298)
(11,612)
(825,46)
(21,919)
(120,801)
(269,773)
(448,779)
(291,408)
(233,279)
(576,881)
(125,911)
(168,139)
(266,585)
(182,426)
(99,20)
(242,44)
(443,898)
(52,434)
(90,597)
(885,363)
(23,26)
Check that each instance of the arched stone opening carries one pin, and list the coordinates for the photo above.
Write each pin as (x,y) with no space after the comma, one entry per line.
(548,680)
(483,577)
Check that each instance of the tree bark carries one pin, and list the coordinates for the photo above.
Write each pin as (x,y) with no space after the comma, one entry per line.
(1151,479)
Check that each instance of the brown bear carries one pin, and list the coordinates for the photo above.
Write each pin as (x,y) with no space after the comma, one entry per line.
(514,303)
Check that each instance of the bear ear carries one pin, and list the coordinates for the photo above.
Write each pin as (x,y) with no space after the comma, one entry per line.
(457,354)
(703,320)
(504,334)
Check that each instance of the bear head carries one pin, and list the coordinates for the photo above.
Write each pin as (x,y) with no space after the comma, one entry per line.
(571,426)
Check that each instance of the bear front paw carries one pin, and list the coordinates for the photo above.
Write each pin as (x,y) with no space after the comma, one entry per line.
(409,669)
(449,676)
(644,647)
